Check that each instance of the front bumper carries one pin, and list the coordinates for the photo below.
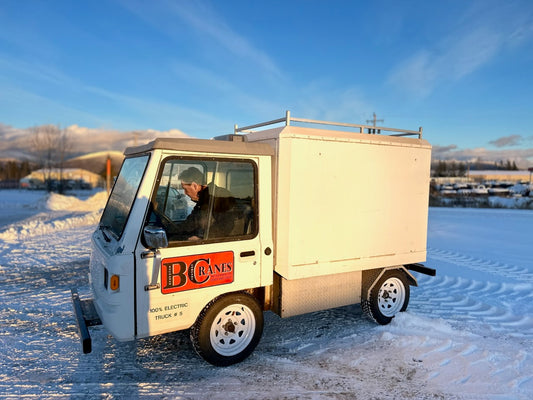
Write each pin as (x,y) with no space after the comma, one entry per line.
(86,316)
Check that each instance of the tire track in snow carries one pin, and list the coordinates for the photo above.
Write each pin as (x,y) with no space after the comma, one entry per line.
(479,305)
(479,264)
(465,365)
(461,362)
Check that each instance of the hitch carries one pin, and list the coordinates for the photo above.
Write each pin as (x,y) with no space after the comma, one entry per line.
(422,269)
(86,316)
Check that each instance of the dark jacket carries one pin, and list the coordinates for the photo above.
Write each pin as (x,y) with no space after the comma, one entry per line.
(221,217)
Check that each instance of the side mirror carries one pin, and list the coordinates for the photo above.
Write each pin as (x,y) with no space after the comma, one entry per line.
(155,237)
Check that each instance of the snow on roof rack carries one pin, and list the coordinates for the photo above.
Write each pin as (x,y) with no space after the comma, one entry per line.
(371,129)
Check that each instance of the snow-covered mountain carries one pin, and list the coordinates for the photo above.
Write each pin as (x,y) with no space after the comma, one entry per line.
(96,162)
(16,143)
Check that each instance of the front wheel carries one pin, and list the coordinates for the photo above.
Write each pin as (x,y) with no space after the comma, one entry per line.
(228,329)
(389,296)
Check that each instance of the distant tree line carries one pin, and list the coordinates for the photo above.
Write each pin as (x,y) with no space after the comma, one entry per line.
(443,168)
(15,170)
(449,168)
(509,166)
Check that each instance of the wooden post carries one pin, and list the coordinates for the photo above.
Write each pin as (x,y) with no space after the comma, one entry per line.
(108,174)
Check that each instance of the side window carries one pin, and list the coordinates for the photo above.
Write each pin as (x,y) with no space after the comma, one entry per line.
(205,200)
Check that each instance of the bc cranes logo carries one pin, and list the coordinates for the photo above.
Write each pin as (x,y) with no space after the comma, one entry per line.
(192,272)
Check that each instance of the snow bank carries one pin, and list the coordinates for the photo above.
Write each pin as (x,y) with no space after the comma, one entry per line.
(57,202)
(58,213)
(13,199)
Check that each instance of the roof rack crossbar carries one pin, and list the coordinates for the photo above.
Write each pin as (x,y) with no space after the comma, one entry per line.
(370,128)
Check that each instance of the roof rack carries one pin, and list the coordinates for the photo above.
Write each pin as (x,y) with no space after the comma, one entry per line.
(370,129)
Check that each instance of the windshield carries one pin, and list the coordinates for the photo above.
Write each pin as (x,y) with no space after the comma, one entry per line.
(123,194)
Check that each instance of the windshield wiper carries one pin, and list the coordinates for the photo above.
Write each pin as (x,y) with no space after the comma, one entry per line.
(102,228)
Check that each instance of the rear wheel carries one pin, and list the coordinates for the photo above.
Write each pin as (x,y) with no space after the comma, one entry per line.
(389,296)
(228,329)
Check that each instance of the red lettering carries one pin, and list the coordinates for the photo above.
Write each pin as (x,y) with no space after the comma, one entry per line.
(196,271)
(175,274)
(192,270)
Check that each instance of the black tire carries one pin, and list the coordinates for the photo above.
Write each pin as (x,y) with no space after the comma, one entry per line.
(389,296)
(228,329)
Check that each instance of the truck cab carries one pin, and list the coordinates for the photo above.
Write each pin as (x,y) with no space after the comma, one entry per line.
(147,274)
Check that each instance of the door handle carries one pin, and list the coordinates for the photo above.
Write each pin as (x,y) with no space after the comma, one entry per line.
(151,287)
(148,254)
(247,253)
(156,255)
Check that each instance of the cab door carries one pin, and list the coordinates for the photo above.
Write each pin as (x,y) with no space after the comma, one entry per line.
(220,242)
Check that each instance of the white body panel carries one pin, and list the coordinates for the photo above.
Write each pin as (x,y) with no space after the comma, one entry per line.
(116,308)
(347,201)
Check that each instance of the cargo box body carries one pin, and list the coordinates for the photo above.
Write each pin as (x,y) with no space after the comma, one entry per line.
(346,201)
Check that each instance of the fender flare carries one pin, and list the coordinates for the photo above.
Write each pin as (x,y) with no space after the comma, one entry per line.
(373,276)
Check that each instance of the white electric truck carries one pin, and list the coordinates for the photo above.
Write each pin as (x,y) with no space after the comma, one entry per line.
(294,217)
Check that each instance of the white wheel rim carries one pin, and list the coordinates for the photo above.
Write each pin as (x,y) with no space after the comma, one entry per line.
(391,297)
(232,330)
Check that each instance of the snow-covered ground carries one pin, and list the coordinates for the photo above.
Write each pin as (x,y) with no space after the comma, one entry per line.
(467,334)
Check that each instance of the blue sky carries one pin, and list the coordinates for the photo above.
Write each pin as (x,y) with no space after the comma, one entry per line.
(460,69)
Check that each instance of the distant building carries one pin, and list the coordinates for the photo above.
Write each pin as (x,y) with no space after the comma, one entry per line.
(486,176)
(500,175)
(74,178)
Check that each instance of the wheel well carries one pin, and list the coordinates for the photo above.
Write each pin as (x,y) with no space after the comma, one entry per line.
(371,276)
(260,294)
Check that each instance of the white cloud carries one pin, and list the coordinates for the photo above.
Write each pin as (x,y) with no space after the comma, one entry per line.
(468,51)
(483,33)
(94,139)
(223,88)
(204,20)
(512,140)
(84,140)
(321,101)
(8,133)
(417,75)
(522,157)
